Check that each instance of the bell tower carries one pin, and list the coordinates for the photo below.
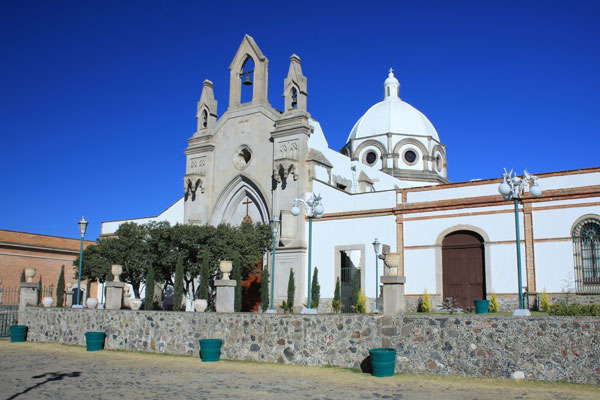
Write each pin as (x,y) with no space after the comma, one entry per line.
(258,77)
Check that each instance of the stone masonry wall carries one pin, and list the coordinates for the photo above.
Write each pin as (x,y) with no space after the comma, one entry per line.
(544,348)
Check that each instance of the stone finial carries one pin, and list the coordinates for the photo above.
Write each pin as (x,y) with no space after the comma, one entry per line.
(29,274)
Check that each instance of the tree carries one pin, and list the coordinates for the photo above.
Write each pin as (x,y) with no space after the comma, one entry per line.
(60,288)
(149,295)
(237,276)
(288,305)
(204,278)
(336,304)
(23,279)
(355,287)
(264,290)
(40,288)
(315,290)
(178,295)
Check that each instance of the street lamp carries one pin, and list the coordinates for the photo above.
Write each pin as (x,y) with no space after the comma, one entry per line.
(512,188)
(313,208)
(274,227)
(377,248)
(82,228)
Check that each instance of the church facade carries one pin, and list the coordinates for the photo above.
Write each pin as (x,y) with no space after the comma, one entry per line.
(388,182)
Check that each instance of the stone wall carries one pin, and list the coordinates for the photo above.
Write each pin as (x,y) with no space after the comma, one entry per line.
(544,348)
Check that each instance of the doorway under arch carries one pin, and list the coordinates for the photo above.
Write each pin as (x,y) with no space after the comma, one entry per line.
(463,268)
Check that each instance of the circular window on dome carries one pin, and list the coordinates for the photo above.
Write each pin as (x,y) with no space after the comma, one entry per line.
(410,157)
(370,158)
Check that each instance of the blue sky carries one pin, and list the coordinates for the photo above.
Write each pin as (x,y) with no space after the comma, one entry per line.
(98,98)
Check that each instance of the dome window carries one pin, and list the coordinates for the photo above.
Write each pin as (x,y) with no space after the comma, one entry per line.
(410,157)
(370,158)
(438,163)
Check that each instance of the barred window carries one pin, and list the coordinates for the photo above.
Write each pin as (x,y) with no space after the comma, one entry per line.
(586,251)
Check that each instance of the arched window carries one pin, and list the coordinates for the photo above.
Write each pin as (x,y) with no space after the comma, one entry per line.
(204,119)
(247,80)
(294,98)
(586,252)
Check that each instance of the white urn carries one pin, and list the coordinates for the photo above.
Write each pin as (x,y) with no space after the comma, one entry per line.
(47,301)
(135,304)
(91,302)
(392,261)
(226,267)
(200,305)
(116,270)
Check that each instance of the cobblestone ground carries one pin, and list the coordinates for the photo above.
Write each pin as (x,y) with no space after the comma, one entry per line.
(50,371)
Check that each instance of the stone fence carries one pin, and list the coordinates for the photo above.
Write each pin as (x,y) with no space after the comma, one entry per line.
(543,348)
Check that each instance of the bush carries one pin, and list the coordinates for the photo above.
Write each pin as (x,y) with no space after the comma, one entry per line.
(315,290)
(336,304)
(361,303)
(545,302)
(149,296)
(264,290)
(288,306)
(60,288)
(355,288)
(493,303)
(425,303)
(178,291)
(204,278)
(237,276)
(575,309)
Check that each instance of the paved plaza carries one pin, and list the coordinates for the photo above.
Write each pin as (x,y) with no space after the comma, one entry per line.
(50,371)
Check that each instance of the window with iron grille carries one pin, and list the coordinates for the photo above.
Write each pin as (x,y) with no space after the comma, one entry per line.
(586,251)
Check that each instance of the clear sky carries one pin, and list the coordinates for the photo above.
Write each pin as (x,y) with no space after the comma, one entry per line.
(98,98)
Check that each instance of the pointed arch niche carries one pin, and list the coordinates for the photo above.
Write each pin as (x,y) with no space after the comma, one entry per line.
(235,193)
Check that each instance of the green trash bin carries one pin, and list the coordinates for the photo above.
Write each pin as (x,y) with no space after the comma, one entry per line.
(210,349)
(18,333)
(481,306)
(94,341)
(383,361)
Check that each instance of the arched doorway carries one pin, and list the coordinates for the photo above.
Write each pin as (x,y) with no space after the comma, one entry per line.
(463,269)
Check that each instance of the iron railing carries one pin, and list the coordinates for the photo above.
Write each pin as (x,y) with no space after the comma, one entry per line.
(9,309)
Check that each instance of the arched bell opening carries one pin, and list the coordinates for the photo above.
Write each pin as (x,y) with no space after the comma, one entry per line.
(247,80)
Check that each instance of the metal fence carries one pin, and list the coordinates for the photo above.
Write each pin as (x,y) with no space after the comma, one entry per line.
(9,309)
(586,253)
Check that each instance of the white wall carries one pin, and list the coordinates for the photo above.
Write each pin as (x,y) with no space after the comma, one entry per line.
(173,214)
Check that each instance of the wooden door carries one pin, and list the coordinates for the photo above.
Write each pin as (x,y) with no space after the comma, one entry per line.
(463,270)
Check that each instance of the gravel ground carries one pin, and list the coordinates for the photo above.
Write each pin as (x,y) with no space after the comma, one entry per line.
(51,371)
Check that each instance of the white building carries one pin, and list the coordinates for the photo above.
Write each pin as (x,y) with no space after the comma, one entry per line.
(390,181)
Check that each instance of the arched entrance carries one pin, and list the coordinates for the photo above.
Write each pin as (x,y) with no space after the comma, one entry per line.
(463,269)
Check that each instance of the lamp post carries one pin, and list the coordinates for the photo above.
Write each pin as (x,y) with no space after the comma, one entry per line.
(377,248)
(82,228)
(313,208)
(274,227)
(512,188)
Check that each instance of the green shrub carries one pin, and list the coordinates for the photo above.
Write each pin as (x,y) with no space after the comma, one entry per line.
(315,290)
(149,294)
(545,302)
(204,278)
(493,303)
(288,306)
(336,304)
(575,309)
(23,279)
(60,288)
(178,291)
(264,290)
(237,276)
(355,288)
(361,303)
(426,303)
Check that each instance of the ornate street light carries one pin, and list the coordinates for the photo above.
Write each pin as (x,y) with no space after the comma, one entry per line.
(313,208)
(82,228)
(513,188)
(377,248)
(274,228)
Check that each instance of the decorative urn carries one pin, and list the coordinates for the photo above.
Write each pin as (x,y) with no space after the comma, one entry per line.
(225,267)
(200,305)
(47,301)
(135,304)
(116,270)
(392,261)
(91,302)
(29,274)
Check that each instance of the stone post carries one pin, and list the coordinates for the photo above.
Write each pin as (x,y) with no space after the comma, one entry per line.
(28,296)
(114,295)
(393,294)
(225,295)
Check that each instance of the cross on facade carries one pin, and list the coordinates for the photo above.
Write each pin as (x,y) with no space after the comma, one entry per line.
(247,217)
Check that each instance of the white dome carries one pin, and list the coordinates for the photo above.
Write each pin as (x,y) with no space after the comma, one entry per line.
(392,115)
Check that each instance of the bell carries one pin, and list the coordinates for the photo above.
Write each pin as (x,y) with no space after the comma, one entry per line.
(247,81)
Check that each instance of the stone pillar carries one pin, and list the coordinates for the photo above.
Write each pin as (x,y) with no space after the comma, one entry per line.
(393,294)
(225,295)
(28,296)
(68,298)
(114,295)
